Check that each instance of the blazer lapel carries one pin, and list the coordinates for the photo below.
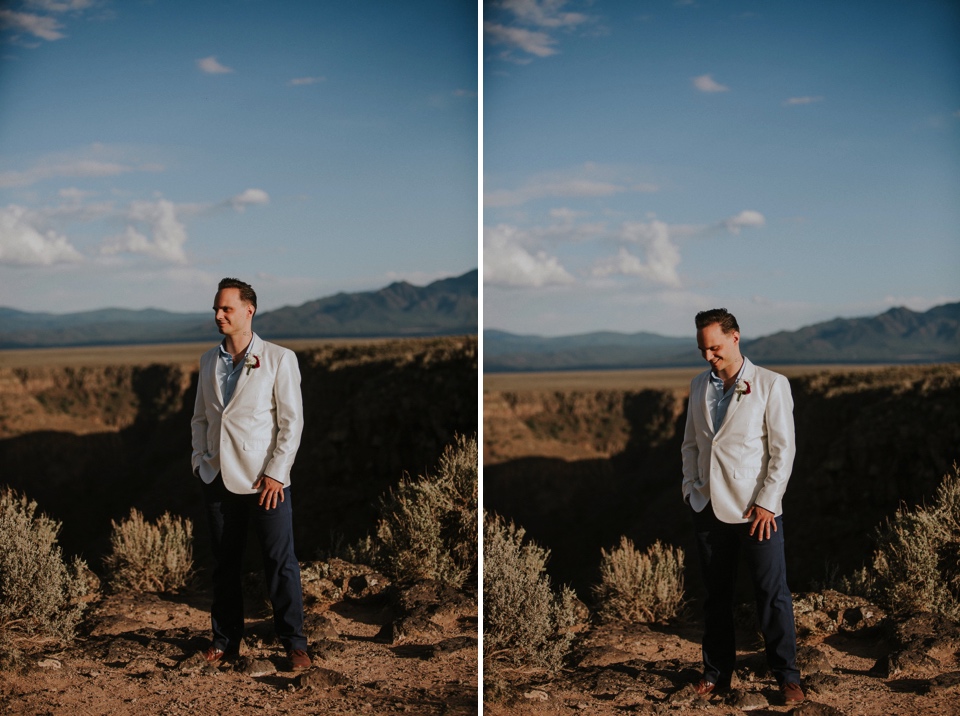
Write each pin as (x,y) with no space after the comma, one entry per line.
(255,349)
(211,376)
(702,399)
(747,375)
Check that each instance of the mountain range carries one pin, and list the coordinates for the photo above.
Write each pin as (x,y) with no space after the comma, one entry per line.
(445,307)
(896,336)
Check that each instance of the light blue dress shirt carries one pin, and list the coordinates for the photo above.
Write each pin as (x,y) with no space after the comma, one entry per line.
(228,374)
(717,400)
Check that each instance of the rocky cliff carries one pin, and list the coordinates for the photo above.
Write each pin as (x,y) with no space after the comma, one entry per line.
(578,469)
(89,443)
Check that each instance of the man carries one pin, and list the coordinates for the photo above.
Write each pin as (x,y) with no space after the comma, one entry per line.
(738,449)
(246,430)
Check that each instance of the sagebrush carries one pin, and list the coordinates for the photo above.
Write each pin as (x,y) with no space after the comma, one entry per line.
(428,525)
(525,623)
(916,566)
(640,586)
(40,595)
(149,557)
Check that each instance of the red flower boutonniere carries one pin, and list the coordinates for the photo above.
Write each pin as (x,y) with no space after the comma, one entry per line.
(252,362)
(743,388)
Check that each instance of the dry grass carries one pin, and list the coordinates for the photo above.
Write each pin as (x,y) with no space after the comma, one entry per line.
(40,596)
(525,623)
(150,557)
(640,586)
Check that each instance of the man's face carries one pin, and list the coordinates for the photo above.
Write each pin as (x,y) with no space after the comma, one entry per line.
(232,315)
(721,350)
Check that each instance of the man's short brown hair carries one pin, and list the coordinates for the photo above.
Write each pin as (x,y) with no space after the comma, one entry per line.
(247,294)
(723,317)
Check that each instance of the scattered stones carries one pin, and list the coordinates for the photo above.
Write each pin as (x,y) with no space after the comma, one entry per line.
(811,660)
(328,649)
(908,662)
(603,656)
(196,664)
(611,683)
(457,643)
(253,668)
(861,620)
(317,627)
(944,683)
(536,695)
(822,683)
(812,708)
(320,678)
(688,696)
(746,700)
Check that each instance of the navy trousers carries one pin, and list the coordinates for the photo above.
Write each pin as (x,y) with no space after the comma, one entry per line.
(721,546)
(229,515)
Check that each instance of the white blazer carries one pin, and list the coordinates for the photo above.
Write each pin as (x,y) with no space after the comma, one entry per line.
(749,459)
(258,432)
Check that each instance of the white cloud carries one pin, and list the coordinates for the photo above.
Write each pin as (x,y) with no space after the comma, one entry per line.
(532,42)
(706,83)
(75,195)
(46,28)
(24,241)
(75,168)
(507,263)
(167,233)
(530,26)
(61,5)
(794,101)
(588,181)
(545,13)
(211,66)
(660,253)
(747,218)
(301,81)
(250,197)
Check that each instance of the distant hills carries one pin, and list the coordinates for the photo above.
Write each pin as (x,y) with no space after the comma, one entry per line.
(444,307)
(896,336)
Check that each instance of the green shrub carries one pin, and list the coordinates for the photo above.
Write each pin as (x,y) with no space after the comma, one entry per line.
(428,526)
(916,566)
(525,623)
(150,557)
(640,586)
(40,596)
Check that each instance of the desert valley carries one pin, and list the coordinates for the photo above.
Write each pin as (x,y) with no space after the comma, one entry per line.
(579,459)
(89,434)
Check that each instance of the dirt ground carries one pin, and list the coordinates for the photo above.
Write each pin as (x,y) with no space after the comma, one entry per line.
(874,669)
(138,654)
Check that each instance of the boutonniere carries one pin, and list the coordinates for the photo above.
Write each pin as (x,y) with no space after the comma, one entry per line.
(252,361)
(743,388)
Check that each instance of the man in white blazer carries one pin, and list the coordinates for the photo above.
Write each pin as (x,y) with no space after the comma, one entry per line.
(738,449)
(246,429)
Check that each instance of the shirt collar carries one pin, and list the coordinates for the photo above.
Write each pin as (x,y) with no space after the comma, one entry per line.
(718,381)
(225,354)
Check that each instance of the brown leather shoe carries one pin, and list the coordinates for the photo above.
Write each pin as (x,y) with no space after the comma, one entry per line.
(299,659)
(213,655)
(704,687)
(792,693)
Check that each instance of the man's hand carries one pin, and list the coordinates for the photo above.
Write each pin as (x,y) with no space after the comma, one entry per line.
(271,489)
(762,520)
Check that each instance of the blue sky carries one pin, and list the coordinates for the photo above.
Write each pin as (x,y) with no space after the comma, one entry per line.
(149,148)
(791,161)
